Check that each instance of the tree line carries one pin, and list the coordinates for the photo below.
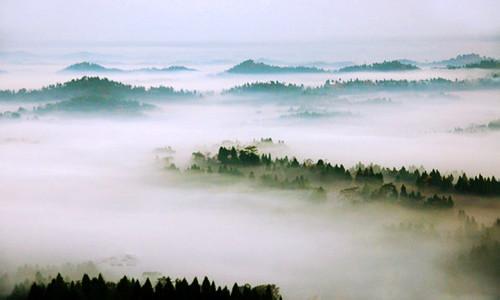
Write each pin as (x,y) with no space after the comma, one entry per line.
(97,288)
(479,185)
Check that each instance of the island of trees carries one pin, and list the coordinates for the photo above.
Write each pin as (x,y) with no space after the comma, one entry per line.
(415,188)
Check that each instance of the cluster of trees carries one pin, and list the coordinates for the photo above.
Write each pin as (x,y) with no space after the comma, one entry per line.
(328,171)
(479,185)
(245,156)
(367,175)
(435,179)
(249,156)
(130,289)
(402,174)
(488,186)
(389,191)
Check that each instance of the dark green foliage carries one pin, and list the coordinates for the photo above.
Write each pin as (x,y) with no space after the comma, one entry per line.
(402,174)
(327,171)
(367,175)
(385,66)
(435,180)
(246,156)
(487,186)
(125,289)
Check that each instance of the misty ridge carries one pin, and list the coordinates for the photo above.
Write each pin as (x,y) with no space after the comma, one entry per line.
(100,94)
(264,179)
(85,67)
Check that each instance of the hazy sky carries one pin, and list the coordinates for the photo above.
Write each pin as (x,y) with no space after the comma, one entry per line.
(158,21)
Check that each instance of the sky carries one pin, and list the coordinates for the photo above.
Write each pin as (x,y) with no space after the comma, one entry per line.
(233,21)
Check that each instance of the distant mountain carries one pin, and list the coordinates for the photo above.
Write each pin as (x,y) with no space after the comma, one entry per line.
(251,67)
(386,66)
(460,60)
(167,69)
(88,67)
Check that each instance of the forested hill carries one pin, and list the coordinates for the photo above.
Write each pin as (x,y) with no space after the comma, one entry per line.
(252,67)
(386,66)
(94,86)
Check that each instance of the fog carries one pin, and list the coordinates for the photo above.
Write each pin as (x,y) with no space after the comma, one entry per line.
(76,189)
(100,170)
